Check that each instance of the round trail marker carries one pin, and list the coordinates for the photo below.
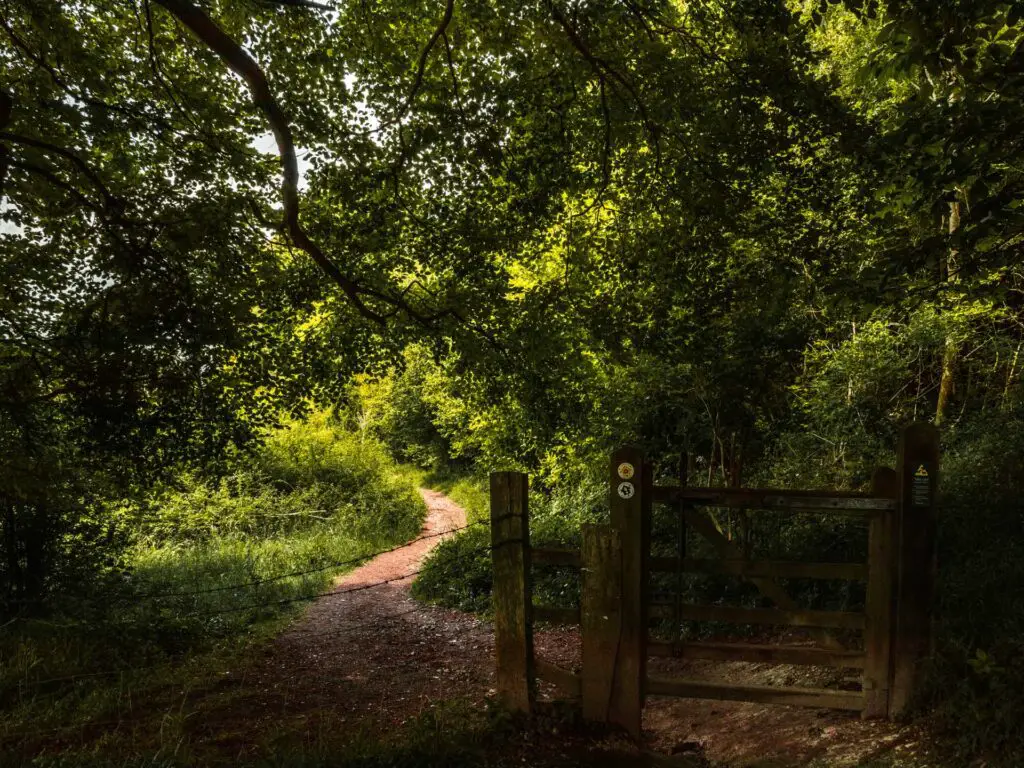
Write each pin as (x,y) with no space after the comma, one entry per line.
(626,490)
(626,471)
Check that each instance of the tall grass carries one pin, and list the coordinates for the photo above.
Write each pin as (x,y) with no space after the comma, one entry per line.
(210,567)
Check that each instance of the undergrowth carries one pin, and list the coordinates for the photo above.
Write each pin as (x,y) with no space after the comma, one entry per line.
(456,734)
(458,572)
(198,582)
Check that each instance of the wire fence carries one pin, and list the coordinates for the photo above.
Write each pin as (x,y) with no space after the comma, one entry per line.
(376,621)
(308,571)
(331,593)
(253,583)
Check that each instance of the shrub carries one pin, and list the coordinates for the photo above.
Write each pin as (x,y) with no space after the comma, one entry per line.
(306,474)
(458,572)
(975,684)
(401,410)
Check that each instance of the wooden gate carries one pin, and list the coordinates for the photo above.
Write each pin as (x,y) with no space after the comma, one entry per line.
(617,610)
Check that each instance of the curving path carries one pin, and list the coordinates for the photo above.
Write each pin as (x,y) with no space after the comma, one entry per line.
(369,659)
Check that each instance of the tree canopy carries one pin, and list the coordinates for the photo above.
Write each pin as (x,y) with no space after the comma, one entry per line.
(764,232)
(688,194)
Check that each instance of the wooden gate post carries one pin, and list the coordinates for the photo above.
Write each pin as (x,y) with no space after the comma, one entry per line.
(918,468)
(882,535)
(631,491)
(511,593)
(600,617)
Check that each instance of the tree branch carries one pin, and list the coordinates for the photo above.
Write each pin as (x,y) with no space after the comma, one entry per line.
(109,198)
(28,167)
(601,68)
(140,119)
(421,67)
(6,108)
(242,64)
(606,154)
(157,70)
(455,80)
(299,4)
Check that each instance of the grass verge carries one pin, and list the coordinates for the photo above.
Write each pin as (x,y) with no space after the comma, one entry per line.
(212,571)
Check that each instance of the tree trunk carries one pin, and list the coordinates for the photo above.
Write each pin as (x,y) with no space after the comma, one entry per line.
(950,354)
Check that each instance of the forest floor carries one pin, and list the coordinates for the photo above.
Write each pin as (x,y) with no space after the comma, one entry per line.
(368,666)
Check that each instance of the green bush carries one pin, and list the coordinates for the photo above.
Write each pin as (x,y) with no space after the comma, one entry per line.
(403,411)
(306,474)
(458,572)
(975,683)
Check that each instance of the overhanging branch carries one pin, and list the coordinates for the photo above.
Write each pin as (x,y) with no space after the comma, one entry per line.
(108,197)
(605,70)
(421,66)
(6,108)
(242,64)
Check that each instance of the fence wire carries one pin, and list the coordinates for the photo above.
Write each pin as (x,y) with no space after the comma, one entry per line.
(253,606)
(255,582)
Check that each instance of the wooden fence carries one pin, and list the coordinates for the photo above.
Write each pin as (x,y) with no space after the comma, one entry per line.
(616,609)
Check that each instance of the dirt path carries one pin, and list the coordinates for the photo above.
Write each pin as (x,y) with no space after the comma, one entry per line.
(367,661)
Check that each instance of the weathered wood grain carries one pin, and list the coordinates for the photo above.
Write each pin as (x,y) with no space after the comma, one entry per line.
(734,615)
(761,653)
(764,694)
(880,599)
(513,635)
(770,569)
(630,516)
(601,603)
(919,449)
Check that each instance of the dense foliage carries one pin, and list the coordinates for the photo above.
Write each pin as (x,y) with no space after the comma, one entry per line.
(763,233)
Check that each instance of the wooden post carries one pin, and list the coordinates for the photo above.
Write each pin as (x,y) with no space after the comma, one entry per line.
(918,468)
(513,622)
(677,607)
(630,515)
(600,617)
(881,567)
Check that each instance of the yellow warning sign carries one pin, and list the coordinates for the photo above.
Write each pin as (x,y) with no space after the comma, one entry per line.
(921,472)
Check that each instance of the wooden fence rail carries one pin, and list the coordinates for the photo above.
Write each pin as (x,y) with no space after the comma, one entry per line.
(616,605)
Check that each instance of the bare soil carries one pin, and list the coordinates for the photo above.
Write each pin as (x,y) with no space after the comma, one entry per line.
(744,734)
(366,658)
(367,661)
